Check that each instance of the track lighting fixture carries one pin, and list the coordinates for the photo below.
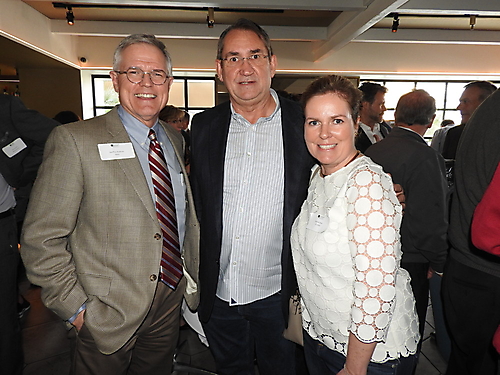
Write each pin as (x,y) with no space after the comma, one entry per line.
(395,23)
(70,17)
(472,22)
(210,18)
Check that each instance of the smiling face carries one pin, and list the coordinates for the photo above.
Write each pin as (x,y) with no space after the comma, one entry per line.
(143,100)
(247,84)
(329,131)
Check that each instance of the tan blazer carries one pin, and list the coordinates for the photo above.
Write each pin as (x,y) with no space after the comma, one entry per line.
(91,233)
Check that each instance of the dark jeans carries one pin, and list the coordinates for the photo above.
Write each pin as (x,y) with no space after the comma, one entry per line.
(11,354)
(239,334)
(471,301)
(323,361)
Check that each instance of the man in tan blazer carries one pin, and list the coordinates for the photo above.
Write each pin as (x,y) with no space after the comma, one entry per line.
(92,238)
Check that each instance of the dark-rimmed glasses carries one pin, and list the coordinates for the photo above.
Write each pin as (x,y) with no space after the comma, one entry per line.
(136,75)
(256,59)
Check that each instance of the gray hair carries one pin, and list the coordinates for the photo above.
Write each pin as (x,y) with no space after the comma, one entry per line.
(487,88)
(244,24)
(142,38)
(415,108)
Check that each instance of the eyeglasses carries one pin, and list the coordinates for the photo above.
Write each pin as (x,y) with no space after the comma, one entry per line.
(136,75)
(257,59)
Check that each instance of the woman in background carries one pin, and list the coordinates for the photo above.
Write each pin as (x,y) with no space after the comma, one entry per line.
(358,309)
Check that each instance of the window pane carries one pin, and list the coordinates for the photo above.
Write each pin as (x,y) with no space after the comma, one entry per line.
(105,94)
(102,111)
(455,90)
(435,89)
(395,91)
(453,115)
(389,116)
(201,93)
(176,97)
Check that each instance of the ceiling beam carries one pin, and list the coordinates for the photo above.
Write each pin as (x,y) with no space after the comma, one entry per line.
(333,5)
(428,36)
(350,25)
(459,7)
(177,30)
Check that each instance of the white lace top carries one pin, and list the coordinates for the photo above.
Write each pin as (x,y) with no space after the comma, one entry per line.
(347,253)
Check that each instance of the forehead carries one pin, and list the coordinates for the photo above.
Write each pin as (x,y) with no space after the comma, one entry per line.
(140,54)
(328,104)
(242,41)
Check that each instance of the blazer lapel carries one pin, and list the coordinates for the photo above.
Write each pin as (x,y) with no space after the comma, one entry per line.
(218,132)
(131,167)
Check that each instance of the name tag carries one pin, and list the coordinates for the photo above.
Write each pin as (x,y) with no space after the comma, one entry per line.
(14,148)
(116,151)
(318,223)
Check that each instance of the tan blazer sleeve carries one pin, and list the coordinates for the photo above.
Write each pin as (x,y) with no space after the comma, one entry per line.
(50,219)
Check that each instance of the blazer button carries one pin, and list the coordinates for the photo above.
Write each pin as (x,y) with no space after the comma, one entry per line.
(153,277)
(157,236)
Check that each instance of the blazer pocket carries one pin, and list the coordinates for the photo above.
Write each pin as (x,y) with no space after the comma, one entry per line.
(95,285)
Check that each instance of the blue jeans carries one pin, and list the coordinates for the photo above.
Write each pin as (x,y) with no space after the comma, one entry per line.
(322,361)
(239,334)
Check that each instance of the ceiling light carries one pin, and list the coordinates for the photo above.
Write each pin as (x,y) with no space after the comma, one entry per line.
(472,22)
(395,23)
(210,18)
(70,17)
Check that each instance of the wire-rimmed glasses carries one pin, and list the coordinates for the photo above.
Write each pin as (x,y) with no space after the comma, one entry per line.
(256,59)
(136,75)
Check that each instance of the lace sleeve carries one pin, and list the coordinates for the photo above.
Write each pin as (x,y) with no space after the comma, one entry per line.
(373,220)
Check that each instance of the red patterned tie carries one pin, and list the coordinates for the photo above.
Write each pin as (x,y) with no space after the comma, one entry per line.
(170,265)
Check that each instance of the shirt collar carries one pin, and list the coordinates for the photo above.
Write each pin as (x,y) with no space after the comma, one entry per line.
(135,128)
(413,131)
(270,117)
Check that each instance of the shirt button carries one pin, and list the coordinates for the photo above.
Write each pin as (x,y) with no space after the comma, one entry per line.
(153,277)
(249,153)
(157,236)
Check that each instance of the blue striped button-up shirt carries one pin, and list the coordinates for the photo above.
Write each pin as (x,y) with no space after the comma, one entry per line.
(253,196)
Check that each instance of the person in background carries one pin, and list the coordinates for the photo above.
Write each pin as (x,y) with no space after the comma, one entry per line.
(23,133)
(175,117)
(372,128)
(249,170)
(474,94)
(405,155)
(66,117)
(358,308)
(471,280)
(439,135)
(111,234)
(179,120)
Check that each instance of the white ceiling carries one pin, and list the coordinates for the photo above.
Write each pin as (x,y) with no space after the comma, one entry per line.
(329,25)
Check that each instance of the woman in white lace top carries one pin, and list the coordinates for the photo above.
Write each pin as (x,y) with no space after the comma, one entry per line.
(358,309)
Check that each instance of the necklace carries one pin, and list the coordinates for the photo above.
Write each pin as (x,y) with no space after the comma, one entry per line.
(358,153)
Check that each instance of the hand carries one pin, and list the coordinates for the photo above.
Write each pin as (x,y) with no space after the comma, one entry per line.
(78,322)
(400,194)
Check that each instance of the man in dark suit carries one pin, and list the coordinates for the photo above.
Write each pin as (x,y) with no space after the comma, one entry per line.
(111,234)
(420,170)
(471,281)
(372,128)
(474,94)
(250,171)
(23,133)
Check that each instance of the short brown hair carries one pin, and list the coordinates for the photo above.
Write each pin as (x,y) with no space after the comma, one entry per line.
(244,24)
(338,85)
